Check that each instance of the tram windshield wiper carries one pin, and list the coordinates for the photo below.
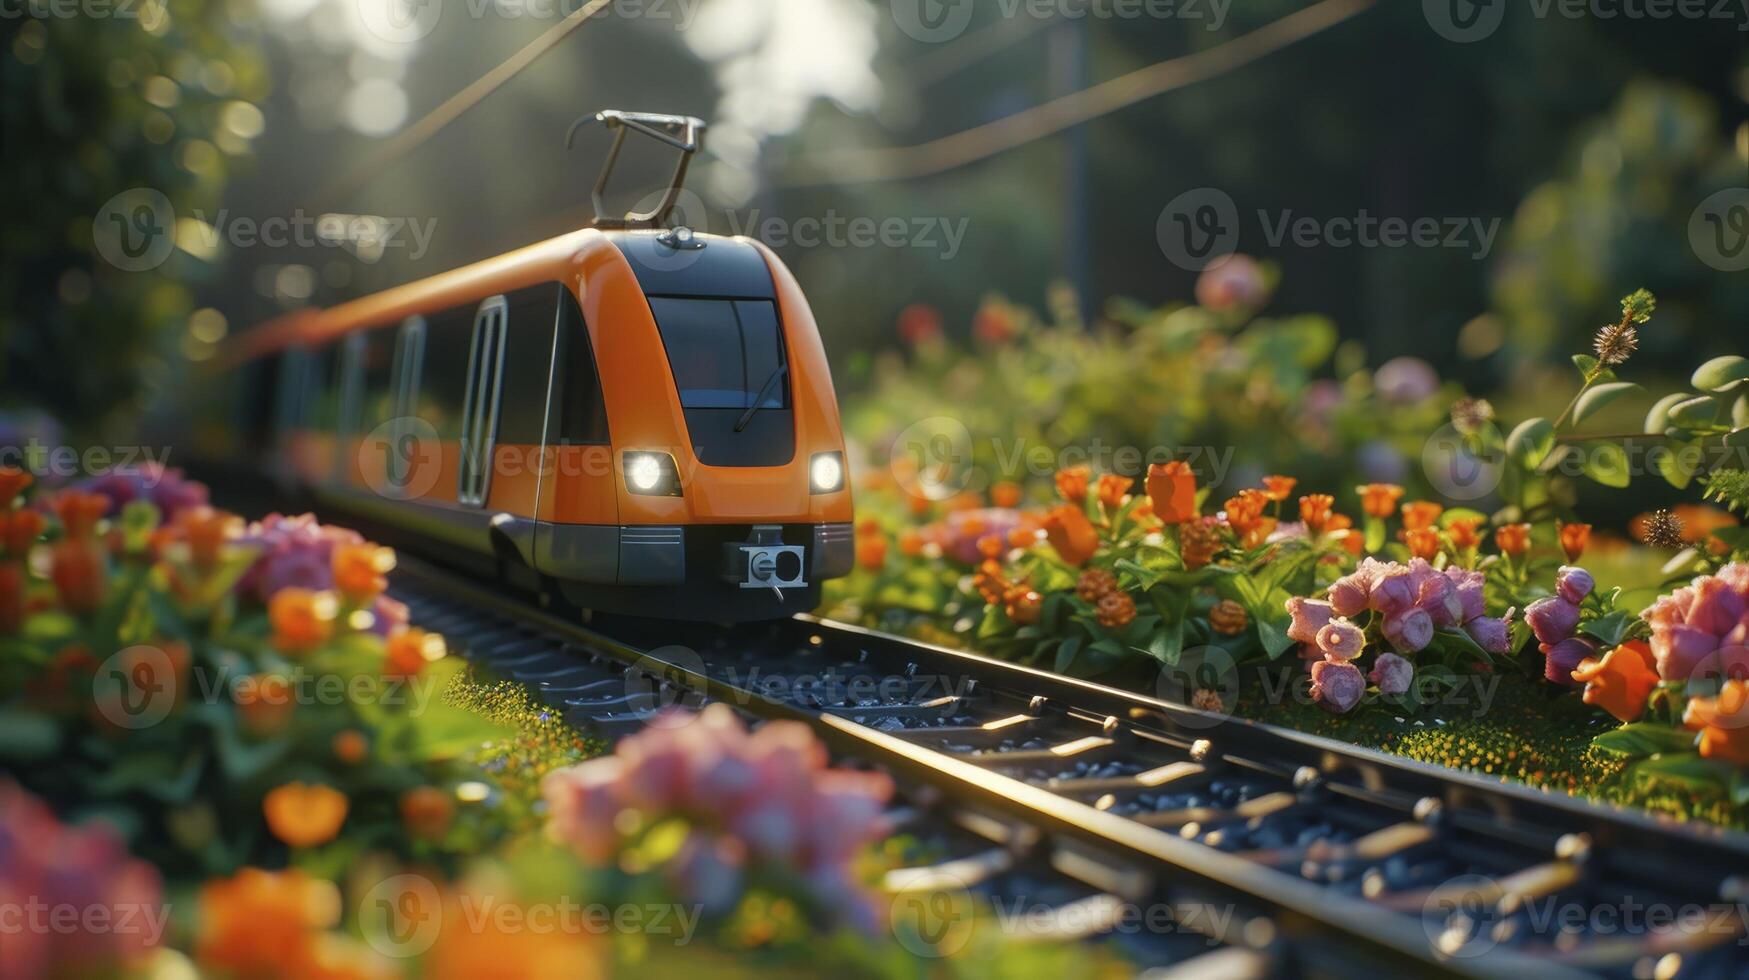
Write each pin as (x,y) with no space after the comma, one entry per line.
(759,400)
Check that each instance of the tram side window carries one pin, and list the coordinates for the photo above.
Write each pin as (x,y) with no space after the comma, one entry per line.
(378,396)
(322,408)
(443,383)
(583,411)
(528,359)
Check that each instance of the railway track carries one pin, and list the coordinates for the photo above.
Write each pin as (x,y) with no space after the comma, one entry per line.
(1199,843)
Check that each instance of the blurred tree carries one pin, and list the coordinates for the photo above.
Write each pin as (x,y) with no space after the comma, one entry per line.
(1620,212)
(121,120)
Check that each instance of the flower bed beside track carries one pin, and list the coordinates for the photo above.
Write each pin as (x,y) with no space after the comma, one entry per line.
(1511,643)
(224,752)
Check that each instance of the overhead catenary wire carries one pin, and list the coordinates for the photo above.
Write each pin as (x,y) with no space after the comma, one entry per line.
(1029,125)
(428,125)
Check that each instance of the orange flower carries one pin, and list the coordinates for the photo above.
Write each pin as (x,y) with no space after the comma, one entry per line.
(1315,510)
(1072,482)
(500,948)
(1420,514)
(1423,542)
(871,551)
(1574,538)
(263,923)
(1172,489)
(1621,681)
(302,619)
(1700,521)
(1512,539)
(1278,488)
(79,566)
(305,814)
(1351,540)
(991,546)
(1113,489)
(1379,499)
(1723,722)
(1024,609)
(351,747)
(79,511)
(1245,510)
(1071,533)
(1463,532)
(264,704)
(13,482)
(427,812)
(1005,494)
(21,529)
(361,570)
(12,581)
(411,648)
(206,530)
(1258,532)
(910,542)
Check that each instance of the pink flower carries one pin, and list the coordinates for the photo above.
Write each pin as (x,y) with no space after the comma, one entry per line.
(1340,639)
(1717,606)
(707,872)
(56,867)
(1439,598)
(1393,590)
(1492,635)
(1236,282)
(294,552)
(1409,630)
(1670,609)
(1309,616)
(1682,652)
(1573,583)
(1469,592)
(1337,685)
(1553,619)
(1348,595)
(764,799)
(1561,659)
(1392,674)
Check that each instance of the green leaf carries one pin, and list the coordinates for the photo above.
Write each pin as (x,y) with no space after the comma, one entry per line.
(1597,396)
(1677,461)
(1531,442)
(1685,770)
(1658,419)
(26,736)
(1738,437)
(1644,738)
(1740,411)
(1695,413)
(1610,629)
(1066,654)
(1588,364)
(1607,463)
(1168,643)
(1721,373)
(1740,788)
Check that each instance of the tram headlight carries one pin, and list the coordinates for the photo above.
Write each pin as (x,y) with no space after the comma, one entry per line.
(826,472)
(651,474)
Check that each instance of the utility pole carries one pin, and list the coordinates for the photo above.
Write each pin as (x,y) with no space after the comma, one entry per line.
(1068,60)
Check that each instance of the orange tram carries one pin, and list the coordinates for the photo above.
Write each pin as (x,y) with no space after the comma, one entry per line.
(637,419)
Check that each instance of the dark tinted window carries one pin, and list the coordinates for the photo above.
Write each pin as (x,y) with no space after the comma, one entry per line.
(582,410)
(321,411)
(443,378)
(377,361)
(722,353)
(528,358)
